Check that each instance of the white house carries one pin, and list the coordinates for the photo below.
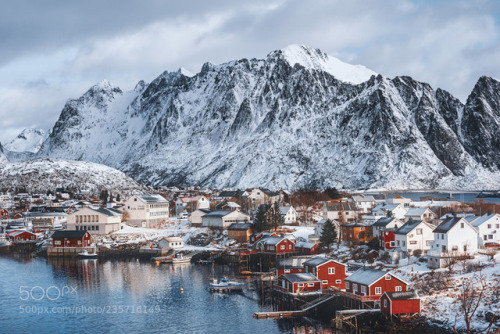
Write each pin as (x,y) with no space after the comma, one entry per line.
(386,210)
(414,235)
(171,242)
(191,204)
(488,227)
(364,203)
(196,216)
(385,223)
(259,196)
(424,214)
(405,202)
(340,211)
(289,214)
(146,210)
(95,220)
(453,237)
(222,219)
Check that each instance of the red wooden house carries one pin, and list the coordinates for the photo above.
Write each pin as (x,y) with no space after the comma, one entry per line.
(277,245)
(387,239)
(4,214)
(373,283)
(307,248)
(406,302)
(331,273)
(71,239)
(22,236)
(298,283)
(280,270)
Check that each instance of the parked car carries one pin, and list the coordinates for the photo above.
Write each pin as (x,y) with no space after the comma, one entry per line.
(492,245)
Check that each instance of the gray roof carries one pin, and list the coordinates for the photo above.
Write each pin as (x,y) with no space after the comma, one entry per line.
(383,222)
(316,261)
(415,212)
(152,198)
(385,207)
(300,277)
(107,211)
(341,206)
(218,213)
(447,225)
(303,244)
(228,193)
(483,219)
(356,225)
(68,234)
(408,226)
(270,240)
(239,226)
(363,198)
(366,276)
(401,295)
(284,209)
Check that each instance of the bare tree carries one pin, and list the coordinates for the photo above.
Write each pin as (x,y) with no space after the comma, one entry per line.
(125,216)
(471,295)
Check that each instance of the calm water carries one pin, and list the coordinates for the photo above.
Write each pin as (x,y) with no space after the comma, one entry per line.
(82,296)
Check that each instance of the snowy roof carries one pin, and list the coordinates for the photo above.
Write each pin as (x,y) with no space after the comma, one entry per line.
(300,277)
(284,209)
(341,206)
(271,240)
(356,225)
(386,207)
(415,212)
(218,213)
(484,219)
(174,239)
(408,226)
(401,295)
(152,198)
(107,212)
(303,244)
(366,276)
(447,225)
(228,194)
(363,198)
(384,221)
(233,205)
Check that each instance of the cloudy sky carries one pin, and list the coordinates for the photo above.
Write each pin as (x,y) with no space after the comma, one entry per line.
(54,50)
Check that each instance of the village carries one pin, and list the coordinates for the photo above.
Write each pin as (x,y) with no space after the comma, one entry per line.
(432,258)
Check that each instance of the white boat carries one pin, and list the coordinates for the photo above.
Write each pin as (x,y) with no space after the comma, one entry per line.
(181,259)
(86,255)
(225,284)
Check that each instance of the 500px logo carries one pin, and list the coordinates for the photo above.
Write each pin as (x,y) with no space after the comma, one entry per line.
(39,293)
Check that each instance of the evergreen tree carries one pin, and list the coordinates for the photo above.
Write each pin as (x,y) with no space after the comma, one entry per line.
(104,197)
(328,235)
(260,221)
(274,216)
(118,198)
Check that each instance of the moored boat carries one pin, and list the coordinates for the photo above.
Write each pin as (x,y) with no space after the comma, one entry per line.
(181,259)
(87,255)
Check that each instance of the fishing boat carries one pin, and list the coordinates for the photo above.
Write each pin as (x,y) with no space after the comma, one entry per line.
(86,255)
(225,285)
(181,259)
(4,243)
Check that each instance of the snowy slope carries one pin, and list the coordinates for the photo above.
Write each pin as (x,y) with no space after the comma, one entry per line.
(264,122)
(40,175)
(29,140)
(318,60)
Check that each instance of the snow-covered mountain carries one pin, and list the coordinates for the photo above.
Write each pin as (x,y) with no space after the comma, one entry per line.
(40,175)
(298,118)
(3,158)
(29,140)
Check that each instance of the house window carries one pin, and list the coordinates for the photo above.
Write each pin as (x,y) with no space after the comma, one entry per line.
(454,248)
(392,243)
(354,287)
(97,228)
(489,225)
(387,277)
(79,242)
(443,248)
(287,271)
(428,243)
(363,290)
(489,237)
(462,225)
(485,237)
(57,242)
(347,285)
(419,231)
(301,285)
(310,285)
(338,281)
(331,271)
(378,290)
(399,288)
(385,302)
(442,236)
(413,242)
(325,282)
(404,243)
(398,242)
(289,246)
(362,228)
(282,247)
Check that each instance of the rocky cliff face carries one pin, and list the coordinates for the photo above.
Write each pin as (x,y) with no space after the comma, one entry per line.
(298,118)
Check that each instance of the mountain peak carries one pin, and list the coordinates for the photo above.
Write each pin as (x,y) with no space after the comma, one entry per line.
(318,60)
(185,72)
(29,140)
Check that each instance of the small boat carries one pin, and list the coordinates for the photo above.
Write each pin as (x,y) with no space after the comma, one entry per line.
(225,285)
(181,259)
(86,255)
